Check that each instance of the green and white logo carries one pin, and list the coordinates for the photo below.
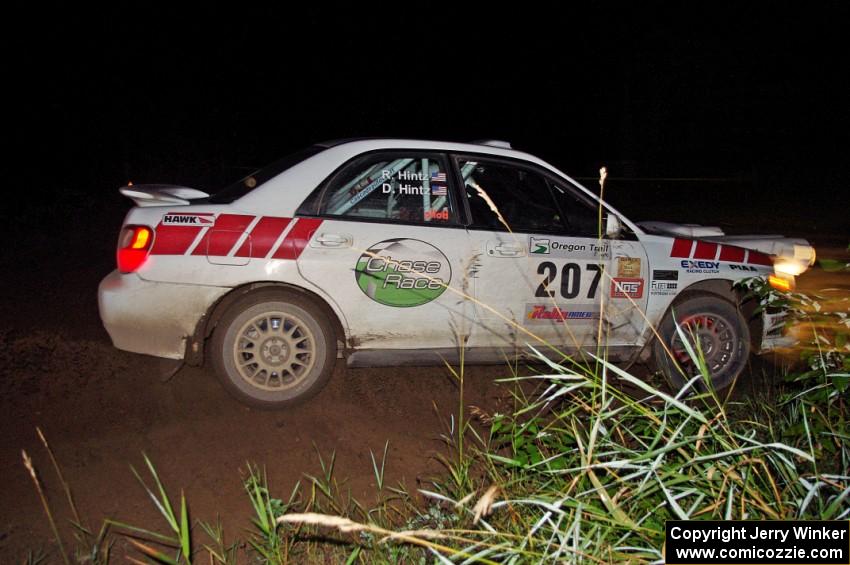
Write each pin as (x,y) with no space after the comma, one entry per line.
(403,272)
(539,246)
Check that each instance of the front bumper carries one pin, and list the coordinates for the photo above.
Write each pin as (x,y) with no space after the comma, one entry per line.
(152,318)
(773,337)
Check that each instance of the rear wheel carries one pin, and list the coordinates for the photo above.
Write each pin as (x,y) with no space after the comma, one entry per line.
(712,326)
(273,350)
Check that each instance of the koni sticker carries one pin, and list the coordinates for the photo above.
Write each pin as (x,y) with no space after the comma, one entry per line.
(575,249)
(187,219)
(544,313)
(628,267)
(403,272)
(626,288)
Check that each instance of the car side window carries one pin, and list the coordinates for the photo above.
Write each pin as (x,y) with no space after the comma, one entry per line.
(506,197)
(403,187)
(580,215)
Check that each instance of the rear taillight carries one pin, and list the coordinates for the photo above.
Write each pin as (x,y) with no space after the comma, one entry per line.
(134,245)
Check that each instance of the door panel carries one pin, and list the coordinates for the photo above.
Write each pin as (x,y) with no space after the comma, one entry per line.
(558,292)
(391,253)
(399,287)
(544,275)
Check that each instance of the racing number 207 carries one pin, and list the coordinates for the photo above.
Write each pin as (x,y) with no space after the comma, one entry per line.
(570,279)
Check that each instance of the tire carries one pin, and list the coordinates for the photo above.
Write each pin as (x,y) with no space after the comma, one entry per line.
(723,336)
(273,349)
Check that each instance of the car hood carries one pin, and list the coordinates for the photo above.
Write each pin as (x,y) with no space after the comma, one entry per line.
(785,250)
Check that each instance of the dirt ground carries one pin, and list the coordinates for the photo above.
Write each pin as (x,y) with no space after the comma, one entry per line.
(101,408)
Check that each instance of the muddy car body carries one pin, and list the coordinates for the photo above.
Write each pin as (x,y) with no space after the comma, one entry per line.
(388,252)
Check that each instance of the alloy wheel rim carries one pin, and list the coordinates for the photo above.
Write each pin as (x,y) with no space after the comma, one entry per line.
(717,342)
(274,351)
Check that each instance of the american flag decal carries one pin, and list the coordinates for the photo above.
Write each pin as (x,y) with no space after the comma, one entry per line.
(438,190)
(438,177)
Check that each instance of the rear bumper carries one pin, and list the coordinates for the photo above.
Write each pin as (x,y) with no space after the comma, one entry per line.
(152,318)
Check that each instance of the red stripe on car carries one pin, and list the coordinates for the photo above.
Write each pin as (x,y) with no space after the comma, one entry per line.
(731,253)
(173,240)
(262,237)
(220,239)
(681,248)
(297,238)
(705,250)
(759,258)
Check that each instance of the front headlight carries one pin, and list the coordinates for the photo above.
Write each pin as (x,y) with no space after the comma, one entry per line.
(789,267)
(805,253)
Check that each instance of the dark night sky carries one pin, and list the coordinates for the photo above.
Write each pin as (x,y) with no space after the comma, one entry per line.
(760,92)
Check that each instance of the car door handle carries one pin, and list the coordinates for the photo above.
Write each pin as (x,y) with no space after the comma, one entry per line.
(507,250)
(332,240)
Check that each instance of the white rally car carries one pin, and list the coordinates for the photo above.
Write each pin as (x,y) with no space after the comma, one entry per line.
(386,252)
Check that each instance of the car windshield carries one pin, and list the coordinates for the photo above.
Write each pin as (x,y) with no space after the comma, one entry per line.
(245,185)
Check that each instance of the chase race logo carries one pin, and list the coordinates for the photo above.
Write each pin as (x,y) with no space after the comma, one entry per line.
(403,272)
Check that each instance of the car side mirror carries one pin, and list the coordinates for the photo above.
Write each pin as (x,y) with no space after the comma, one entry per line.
(613,227)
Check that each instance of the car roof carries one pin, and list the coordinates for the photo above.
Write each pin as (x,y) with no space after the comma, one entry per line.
(340,150)
(489,146)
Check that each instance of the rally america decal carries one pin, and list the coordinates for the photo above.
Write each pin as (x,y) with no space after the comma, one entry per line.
(543,313)
(403,272)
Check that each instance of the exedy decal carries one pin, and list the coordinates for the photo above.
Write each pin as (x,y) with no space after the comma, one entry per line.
(403,272)
(701,266)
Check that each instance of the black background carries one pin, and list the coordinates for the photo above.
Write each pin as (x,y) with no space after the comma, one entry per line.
(755,96)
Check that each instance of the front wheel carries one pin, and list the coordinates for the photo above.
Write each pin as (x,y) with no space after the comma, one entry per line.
(272,350)
(713,327)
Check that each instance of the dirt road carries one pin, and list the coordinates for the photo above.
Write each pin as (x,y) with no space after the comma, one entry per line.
(101,408)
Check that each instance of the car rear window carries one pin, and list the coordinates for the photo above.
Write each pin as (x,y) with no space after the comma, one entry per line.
(245,185)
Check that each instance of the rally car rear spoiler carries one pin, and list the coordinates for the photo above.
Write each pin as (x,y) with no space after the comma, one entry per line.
(161,194)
